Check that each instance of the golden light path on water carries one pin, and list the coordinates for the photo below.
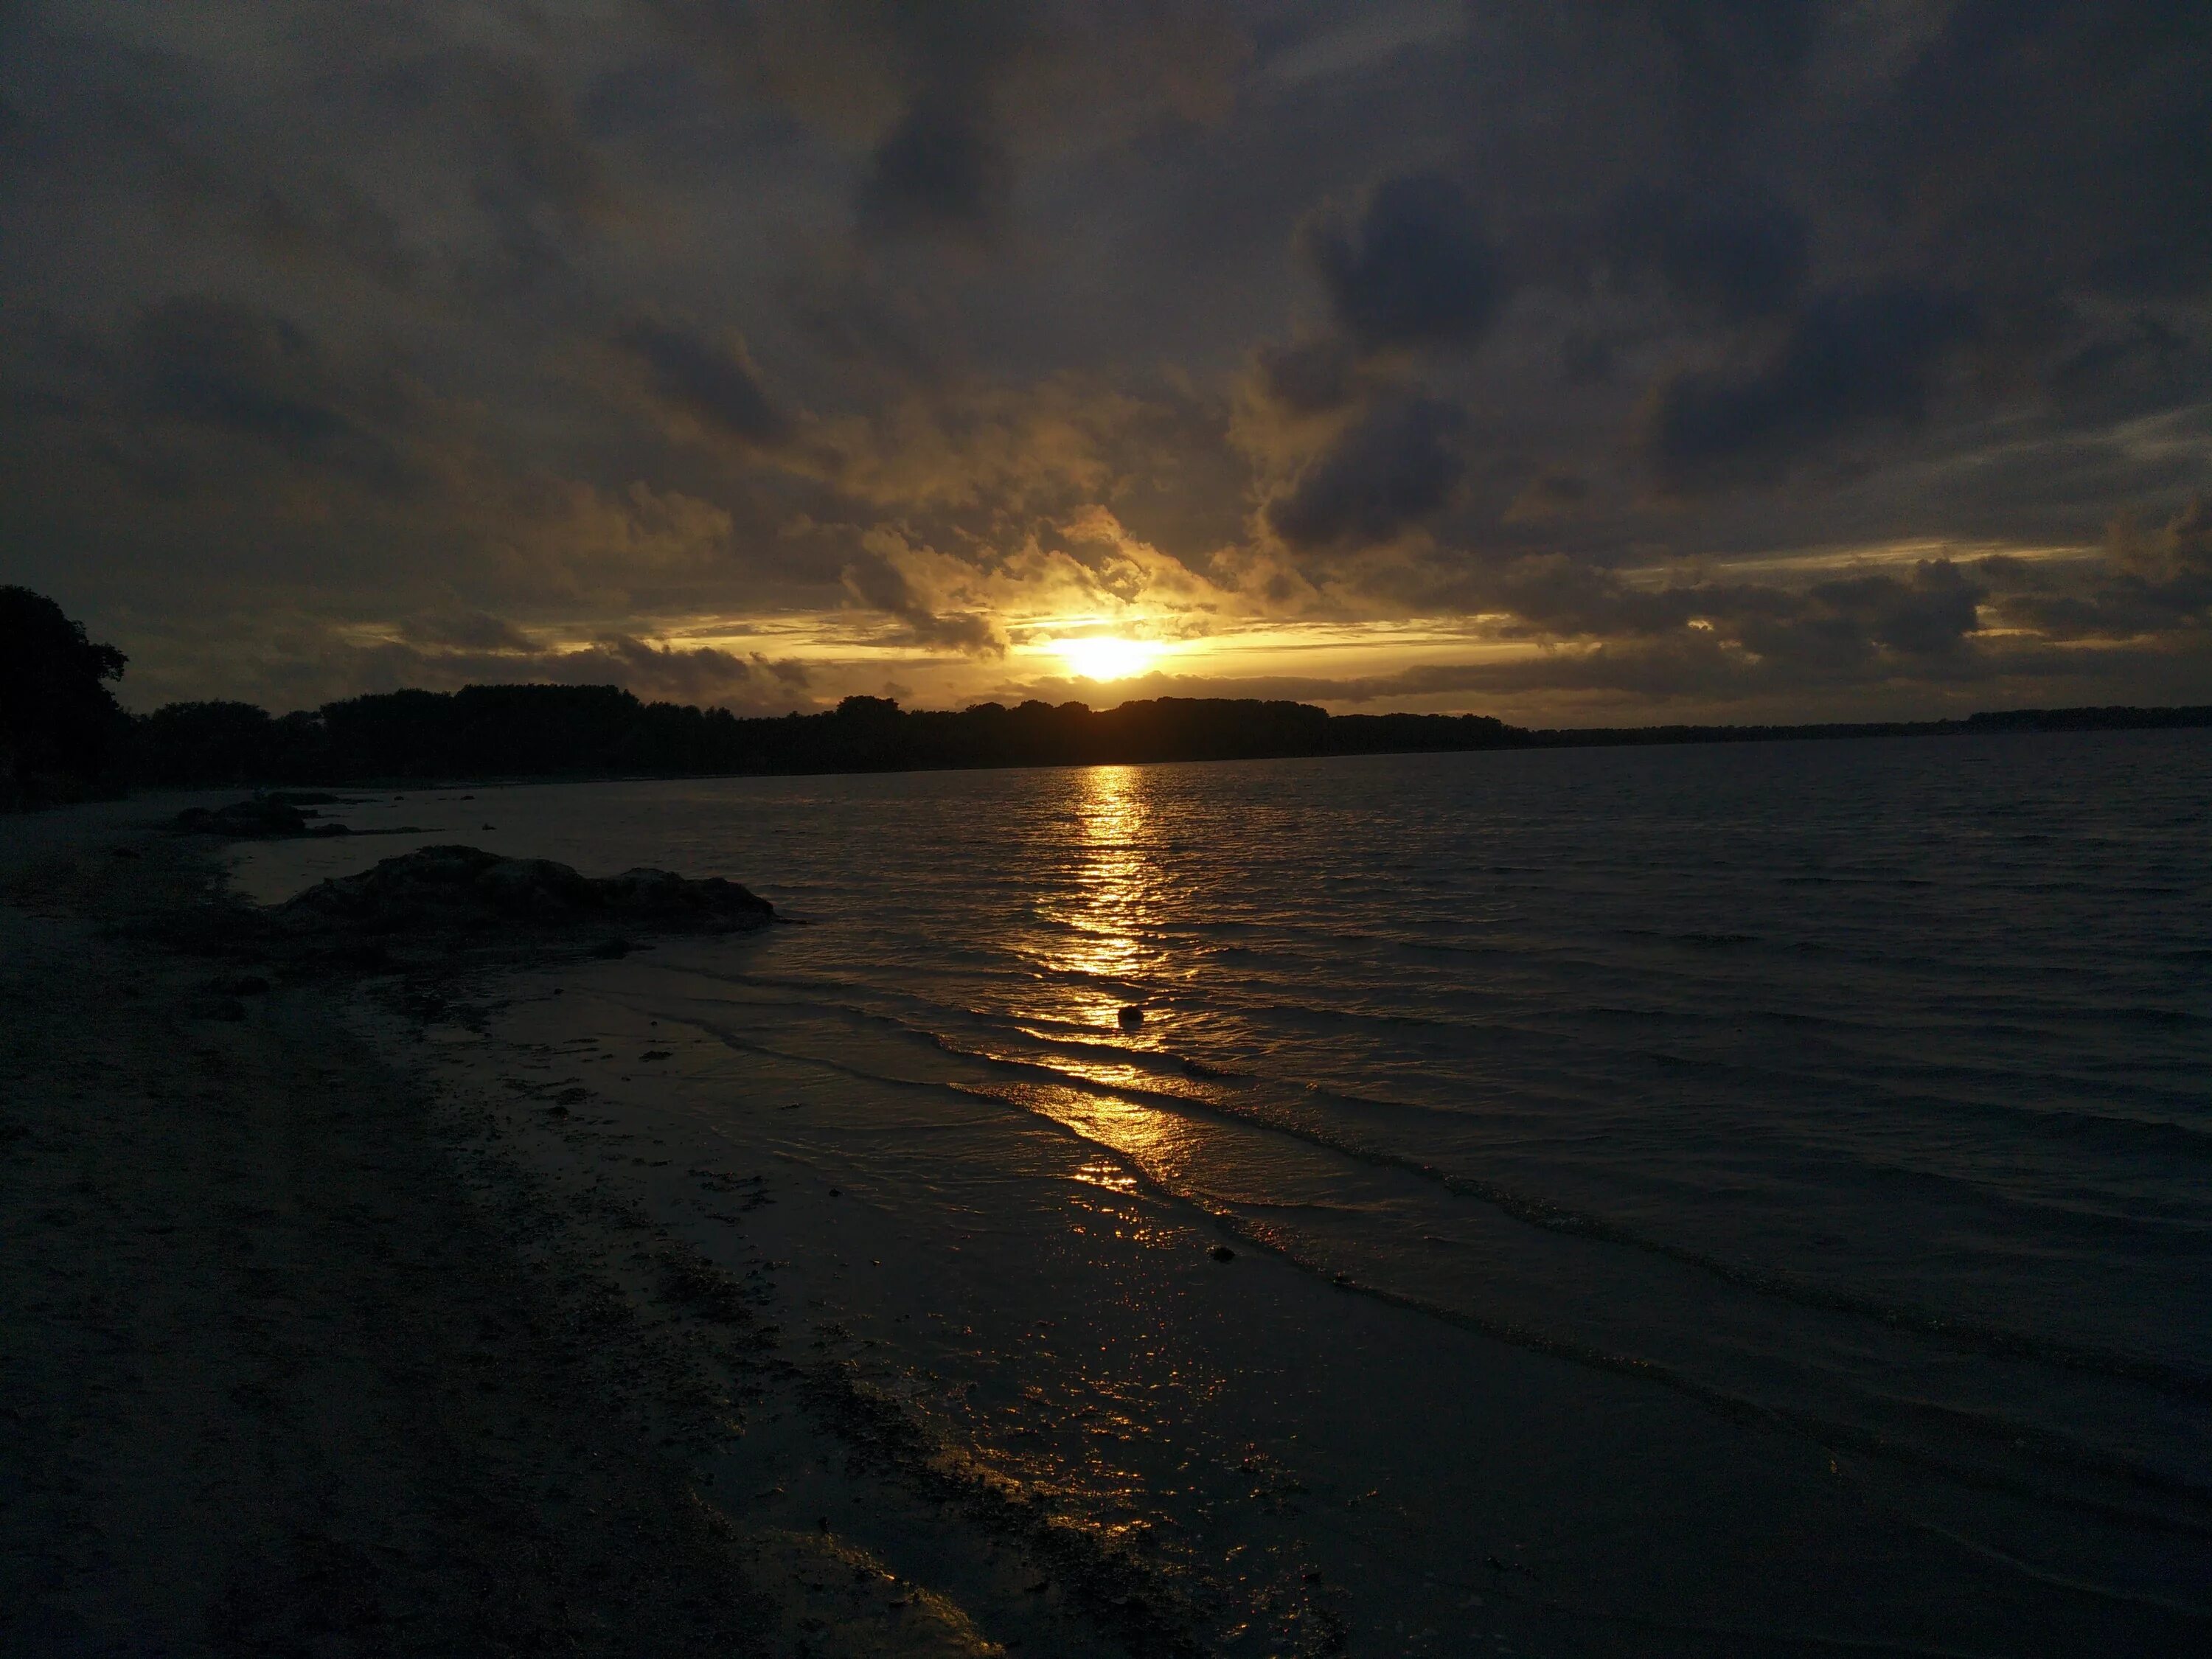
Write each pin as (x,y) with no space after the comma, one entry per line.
(1099,948)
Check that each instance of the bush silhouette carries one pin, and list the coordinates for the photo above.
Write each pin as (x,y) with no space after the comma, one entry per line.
(61,732)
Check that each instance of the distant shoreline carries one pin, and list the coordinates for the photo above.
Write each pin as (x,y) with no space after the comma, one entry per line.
(2113,717)
(548,733)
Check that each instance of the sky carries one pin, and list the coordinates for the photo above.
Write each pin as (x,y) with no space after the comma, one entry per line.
(1578,361)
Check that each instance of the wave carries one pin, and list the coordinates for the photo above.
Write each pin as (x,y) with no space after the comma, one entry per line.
(1828,1431)
(1960,1331)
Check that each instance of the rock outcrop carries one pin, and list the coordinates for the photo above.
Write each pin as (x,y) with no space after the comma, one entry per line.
(263,818)
(464,888)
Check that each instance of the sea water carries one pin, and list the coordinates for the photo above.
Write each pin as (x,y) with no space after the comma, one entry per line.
(1814,1136)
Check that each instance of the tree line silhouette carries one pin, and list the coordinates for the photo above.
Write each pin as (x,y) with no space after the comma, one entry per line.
(555,730)
(63,736)
(551,731)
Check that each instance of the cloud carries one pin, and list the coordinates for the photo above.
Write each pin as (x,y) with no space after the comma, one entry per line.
(709,383)
(890,575)
(1417,269)
(498,654)
(223,363)
(1734,61)
(950,100)
(2053,145)
(1857,628)
(704,675)
(1842,624)
(423,317)
(467,630)
(944,168)
(1848,362)
(1551,494)
(1307,376)
(199,386)
(1388,470)
(1730,252)
(2150,582)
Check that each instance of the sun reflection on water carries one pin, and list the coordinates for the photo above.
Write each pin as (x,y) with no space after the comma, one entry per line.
(1113,888)
(1096,960)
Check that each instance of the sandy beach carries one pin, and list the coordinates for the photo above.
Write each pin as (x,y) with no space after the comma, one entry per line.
(288,1370)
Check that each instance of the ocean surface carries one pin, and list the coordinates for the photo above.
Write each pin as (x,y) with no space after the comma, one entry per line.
(1816,1138)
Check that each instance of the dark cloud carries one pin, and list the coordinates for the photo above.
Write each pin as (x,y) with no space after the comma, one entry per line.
(1549,494)
(239,371)
(1734,61)
(944,168)
(1416,269)
(956,96)
(1389,470)
(877,582)
(468,630)
(1307,377)
(226,364)
(1850,361)
(709,379)
(2150,582)
(541,156)
(2038,143)
(2139,356)
(329,223)
(1844,629)
(437,659)
(1841,625)
(1731,252)
(698,674)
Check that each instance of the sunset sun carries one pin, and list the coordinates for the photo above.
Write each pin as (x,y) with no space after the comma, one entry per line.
(1105,657)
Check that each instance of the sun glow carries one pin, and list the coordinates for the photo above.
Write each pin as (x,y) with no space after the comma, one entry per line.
(1106,657)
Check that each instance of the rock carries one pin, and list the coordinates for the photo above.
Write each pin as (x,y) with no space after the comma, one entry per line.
(244,820)
(453,888)
(1131,1018)
(262,817)
(672,901)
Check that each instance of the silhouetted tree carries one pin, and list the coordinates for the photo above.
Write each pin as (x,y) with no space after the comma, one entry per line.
(61,732)
(204,743)
(599,730)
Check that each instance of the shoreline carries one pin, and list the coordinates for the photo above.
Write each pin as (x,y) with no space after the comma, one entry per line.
(867,1353)
(296,1355)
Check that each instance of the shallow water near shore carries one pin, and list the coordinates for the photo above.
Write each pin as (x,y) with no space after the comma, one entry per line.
(1681,1198)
